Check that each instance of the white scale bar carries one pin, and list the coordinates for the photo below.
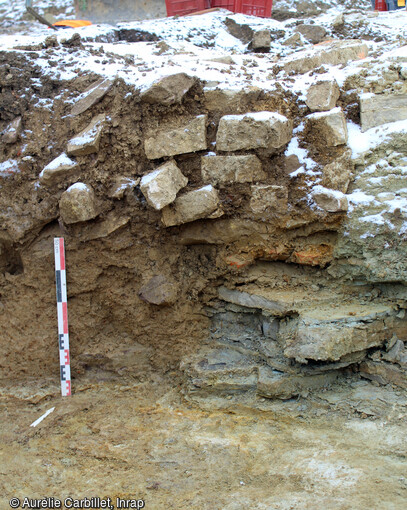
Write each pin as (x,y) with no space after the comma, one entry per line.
(62,310)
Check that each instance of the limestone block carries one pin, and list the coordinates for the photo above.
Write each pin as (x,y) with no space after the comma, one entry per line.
(168,90)
(161,186)
(190,137)
(201,203)
(266,197)
(312,33)
(12,132)
(261,41)
(274,384)
(91,96)
(333,332)
(338,174)
(232,100)
(159,290)
(329,200)
(56,171)
(322,96)
(260,130)
(332,53)
(217,169)
(376,110)
(78,203)
(87,142)
(327,128)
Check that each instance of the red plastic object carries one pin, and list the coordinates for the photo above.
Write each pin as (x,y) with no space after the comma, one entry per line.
(225,4)
(261,8)
(380,5)
(180,7)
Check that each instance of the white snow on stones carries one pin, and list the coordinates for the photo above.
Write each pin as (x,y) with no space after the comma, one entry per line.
(260,130)
(87,142)
(161,186)
(194,205)
(327,128)
(78,203)
(190,137)
(58,169)
(329,200)
(228,169)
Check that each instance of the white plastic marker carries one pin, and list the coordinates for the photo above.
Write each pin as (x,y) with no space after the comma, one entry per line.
(42,417)
(62,307)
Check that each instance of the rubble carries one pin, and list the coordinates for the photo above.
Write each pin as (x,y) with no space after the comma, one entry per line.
(330,200)
(159,290)
(229,169)
(78,203)
(194,205)
(12,132)
(322,96)
(261,41)
(312,33)
(57,170)
(261,130)
(91,96)
(327,128)
(190,137)
(269,198)
(161,186)
(88,140)
(168,90)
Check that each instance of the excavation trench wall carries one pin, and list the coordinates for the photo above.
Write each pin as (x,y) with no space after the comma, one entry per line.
(224,206)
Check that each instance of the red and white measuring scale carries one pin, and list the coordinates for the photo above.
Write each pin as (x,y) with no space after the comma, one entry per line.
(62,307)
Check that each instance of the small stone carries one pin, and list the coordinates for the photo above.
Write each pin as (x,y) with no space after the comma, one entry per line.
(313,33)
(266,197)
(338,174)
(194,205)
(339,21)
(291,164)
(224,169)
(12,132)
(161,186)
(121,185)
(329,200)
(293,41)
(91,96)
(159,290)
(260,130)
(78,203)
(87,142)
(327,128)
(322,96)
(56,171)
(261,41)
(168,90)
(190,137)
